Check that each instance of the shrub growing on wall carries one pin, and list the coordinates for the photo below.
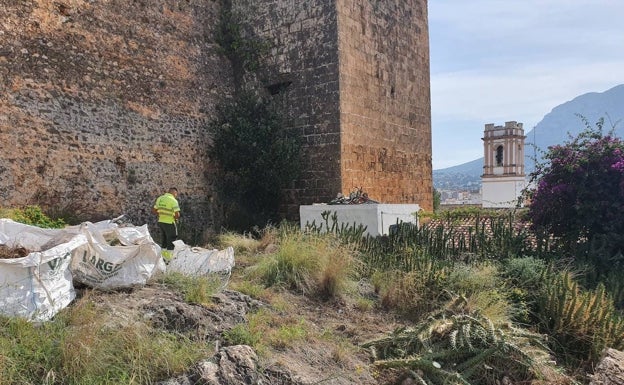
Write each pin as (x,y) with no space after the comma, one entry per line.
(33,215)
(257,158)
(579,196)
(239,44)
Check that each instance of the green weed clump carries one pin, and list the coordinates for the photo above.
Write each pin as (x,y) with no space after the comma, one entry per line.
(241,334)
(525,272)
(34,216)
(252,289)
(313,264)
(81,347)
(197,290)
(412,294)
(485,292)
(425,289)
(266,329)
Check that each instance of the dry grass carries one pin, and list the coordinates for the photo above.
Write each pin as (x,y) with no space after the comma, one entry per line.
(242,243)
(412,294)
(312,264)
(79,347)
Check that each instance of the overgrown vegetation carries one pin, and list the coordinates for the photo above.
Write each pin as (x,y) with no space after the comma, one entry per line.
(489,301)
(457,346)
(32,215)
(579,198)
(257,159)
(483,258)
(82,347)
(238,43)
(465,235)
(480,313)
(581,322)
(256,155)
(308,263)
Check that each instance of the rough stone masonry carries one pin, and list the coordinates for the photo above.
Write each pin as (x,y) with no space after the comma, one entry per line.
(103,103)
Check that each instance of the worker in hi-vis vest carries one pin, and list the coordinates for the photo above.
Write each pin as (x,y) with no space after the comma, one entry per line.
(168,211)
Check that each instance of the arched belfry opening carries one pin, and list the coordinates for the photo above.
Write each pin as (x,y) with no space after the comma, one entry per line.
(499,156)
(503,176)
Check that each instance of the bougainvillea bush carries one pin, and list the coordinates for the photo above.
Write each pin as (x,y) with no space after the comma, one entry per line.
(579,193)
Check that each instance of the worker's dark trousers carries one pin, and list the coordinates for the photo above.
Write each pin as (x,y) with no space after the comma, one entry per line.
(169,234)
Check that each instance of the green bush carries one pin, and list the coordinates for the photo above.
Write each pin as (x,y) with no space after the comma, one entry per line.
(524,277)
(257,158)
(525,272)
(579,196)
(581,323)
(33,215)
(313,264)
(238,43)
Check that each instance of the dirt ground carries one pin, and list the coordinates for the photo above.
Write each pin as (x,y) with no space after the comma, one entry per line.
(328,363)
(335,360)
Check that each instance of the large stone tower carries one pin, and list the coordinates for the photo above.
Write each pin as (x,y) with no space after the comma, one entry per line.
(503,176)
(356,80)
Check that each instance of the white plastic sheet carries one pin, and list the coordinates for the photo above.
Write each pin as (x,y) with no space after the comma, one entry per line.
(38,285)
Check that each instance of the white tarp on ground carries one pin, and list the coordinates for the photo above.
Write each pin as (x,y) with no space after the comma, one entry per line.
(197,261)
(116,257)
(38,285)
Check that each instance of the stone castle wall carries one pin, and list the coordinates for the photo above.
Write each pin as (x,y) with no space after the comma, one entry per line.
(304,60)
(103,103)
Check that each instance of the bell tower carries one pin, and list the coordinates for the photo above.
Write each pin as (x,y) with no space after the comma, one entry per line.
(503,176)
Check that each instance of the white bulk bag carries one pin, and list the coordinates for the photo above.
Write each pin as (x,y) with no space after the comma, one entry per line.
(197,261)
(39,285)
(101,265)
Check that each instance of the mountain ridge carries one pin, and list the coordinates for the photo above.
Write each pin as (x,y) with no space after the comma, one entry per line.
(556,127)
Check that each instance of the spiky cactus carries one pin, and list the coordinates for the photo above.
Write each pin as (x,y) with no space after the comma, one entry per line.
(454,347)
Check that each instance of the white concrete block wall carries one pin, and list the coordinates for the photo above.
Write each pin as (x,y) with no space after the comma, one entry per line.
(376,217)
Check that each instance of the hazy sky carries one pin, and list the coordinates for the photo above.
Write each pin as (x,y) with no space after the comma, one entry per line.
(499,60)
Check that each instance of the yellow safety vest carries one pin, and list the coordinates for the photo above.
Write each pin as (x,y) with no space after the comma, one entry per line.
(167,206)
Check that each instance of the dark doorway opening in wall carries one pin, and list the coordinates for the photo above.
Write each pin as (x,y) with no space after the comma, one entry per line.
(277,88)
